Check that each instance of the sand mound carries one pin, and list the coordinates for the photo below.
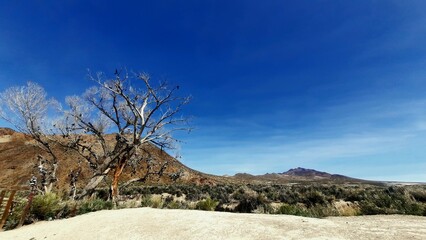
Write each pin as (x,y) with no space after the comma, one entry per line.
(147,223)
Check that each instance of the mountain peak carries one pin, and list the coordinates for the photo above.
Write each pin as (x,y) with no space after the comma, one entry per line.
(299,171)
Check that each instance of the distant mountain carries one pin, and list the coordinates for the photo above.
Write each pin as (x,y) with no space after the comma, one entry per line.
(296,175)
(305,172)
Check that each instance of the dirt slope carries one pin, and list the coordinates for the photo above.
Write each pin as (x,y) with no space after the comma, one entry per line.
(18,162)
(147,223)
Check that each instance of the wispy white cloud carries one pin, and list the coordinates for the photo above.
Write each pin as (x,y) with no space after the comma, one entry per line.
(338,139)
(264,155)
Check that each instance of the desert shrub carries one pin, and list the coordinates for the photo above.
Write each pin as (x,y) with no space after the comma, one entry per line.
(414,209)
(391,200)
(369,208)
(207,205)
(314,197)
(170,203)
(146,201)
(46,206)
(220,193)
(247,200)
(419,196)
(225,207)
(102,193)
(157,202)
(264,208)
(243,192)
(250,202)
(273,195)
(176,205)
(382,200)
(132,203)
(192,192)
(68,209)
(335,191)
(353,196)
(15,214)
(320,211)
(179,193)
(168,199)
(291,210)
(317,211)
(346,208)
(94,205)
(286,196)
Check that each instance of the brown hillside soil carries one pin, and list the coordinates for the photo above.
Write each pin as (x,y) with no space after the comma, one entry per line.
(18,163)
(147,223)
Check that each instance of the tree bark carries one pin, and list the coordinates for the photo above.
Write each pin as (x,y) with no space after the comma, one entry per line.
(93,183)
(117,173)
(101,173)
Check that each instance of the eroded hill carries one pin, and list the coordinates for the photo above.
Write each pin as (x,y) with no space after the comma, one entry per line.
(18,161)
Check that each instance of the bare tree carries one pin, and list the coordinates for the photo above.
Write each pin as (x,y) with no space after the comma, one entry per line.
(107,126)
(133,110)
(153,168)
(26,109)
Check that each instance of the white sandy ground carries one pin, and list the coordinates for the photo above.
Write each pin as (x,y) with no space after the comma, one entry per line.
(147,223)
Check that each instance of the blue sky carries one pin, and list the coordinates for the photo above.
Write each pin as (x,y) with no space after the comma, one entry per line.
(337,86)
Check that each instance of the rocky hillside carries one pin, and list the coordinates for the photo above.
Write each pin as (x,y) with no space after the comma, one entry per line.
(18,154)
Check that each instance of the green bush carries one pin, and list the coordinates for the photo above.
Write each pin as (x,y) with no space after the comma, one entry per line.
(292,210)
(310,199)
(94,205)
(46,206)
(68,209)
(250,201)
(247,204)
(414,209)
(176,205)
(370,208)
(157,202)
(320,211)
(353,196)
(317,211)
(419,196)
(265,208)
(314,197)
(15,215)
(207,204)
(146,201)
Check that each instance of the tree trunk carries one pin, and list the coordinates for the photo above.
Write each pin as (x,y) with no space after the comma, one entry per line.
(93,183)
(121,155)
(117,173)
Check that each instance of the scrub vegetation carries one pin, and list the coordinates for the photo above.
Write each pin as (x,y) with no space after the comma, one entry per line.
(307,199)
